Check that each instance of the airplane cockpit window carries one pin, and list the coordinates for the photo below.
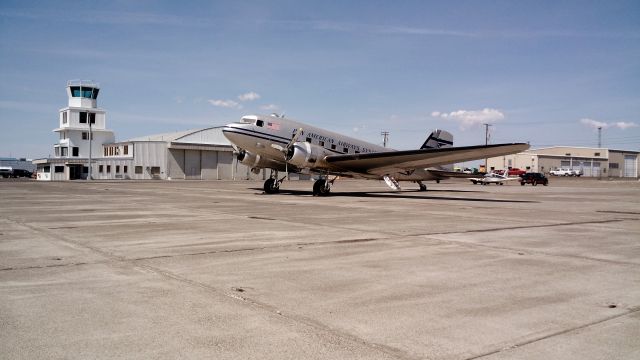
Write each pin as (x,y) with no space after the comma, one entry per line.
(260,123)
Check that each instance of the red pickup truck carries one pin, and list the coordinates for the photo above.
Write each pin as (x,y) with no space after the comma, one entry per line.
(516,172)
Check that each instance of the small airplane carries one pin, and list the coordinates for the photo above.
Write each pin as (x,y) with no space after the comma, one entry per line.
(280,144)
(493,178)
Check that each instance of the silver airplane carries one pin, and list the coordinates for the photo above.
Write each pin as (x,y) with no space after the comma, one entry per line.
(280,144)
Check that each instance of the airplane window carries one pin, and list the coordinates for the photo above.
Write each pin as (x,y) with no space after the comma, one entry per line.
(259,123)
(308,140)
(333,146)
(321,143)
(346,150)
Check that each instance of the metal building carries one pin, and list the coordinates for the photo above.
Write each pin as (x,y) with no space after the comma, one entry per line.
(592,162)
(201,154)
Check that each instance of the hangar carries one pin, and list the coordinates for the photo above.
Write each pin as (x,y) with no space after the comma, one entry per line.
(593,162)
(200,154)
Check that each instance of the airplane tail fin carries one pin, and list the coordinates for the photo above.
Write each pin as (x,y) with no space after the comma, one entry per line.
(438,139)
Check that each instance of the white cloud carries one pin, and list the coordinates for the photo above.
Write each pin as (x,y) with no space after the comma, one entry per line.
(594,123)
(470,118)
(250,96)
(270,107)
(225,104)
(625,125)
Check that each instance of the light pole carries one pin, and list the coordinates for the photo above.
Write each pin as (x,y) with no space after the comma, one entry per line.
(385,139)
(90,138)
(486,142)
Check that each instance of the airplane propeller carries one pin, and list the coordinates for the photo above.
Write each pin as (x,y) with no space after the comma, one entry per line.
(286,149)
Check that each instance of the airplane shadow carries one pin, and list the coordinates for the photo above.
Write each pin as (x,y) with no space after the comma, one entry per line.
(397,195)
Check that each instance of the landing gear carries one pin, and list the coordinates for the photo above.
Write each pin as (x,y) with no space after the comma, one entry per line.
(423,187)
(272,184)
(321,187)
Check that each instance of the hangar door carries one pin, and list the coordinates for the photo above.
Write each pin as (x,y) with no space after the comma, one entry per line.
(192,164)
(630,162)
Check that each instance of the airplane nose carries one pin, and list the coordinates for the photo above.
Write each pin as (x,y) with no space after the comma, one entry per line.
(232,132)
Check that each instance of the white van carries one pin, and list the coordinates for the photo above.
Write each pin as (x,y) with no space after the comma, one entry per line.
(6,171)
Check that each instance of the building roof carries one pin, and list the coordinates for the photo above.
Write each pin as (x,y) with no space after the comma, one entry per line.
(163,137)
(206,136)
(625,151)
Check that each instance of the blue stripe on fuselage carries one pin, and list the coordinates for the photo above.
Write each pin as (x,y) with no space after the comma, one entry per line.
(256,134)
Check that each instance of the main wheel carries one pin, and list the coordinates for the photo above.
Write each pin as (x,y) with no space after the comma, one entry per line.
(320,188)
(522,183)
(271,186)
(423,187)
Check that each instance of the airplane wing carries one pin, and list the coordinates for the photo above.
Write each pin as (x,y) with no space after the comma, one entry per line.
(450,174)
(381,163)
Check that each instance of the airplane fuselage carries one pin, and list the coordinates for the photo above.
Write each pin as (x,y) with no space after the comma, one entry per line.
(263,138)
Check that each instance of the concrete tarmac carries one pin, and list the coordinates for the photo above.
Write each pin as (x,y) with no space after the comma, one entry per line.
(219,270)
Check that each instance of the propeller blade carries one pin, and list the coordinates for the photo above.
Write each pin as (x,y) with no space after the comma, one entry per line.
(294,139)
(277,147)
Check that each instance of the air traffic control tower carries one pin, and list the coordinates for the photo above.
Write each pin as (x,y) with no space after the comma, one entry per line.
(82,131)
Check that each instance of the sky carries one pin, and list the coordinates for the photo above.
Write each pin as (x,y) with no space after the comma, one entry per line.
(544,72)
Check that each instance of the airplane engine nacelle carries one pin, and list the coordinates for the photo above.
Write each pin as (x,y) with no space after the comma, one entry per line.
(257,162)
(306,155)
(248,158)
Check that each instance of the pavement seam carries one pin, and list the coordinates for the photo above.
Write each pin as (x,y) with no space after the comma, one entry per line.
(557,333)
(430,235)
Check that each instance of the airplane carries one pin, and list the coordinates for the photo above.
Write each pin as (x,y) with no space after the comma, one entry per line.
(279,144)
(493,178)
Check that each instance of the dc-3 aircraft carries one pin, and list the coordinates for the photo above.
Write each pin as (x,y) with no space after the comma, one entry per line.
(280,144)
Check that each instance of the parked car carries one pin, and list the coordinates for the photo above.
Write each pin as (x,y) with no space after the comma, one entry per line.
(561,172)
(534,179)
(21,173)
(516,172)
(6,171)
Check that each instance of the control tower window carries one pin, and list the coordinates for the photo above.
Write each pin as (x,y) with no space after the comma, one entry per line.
(87,115)
(85,92)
